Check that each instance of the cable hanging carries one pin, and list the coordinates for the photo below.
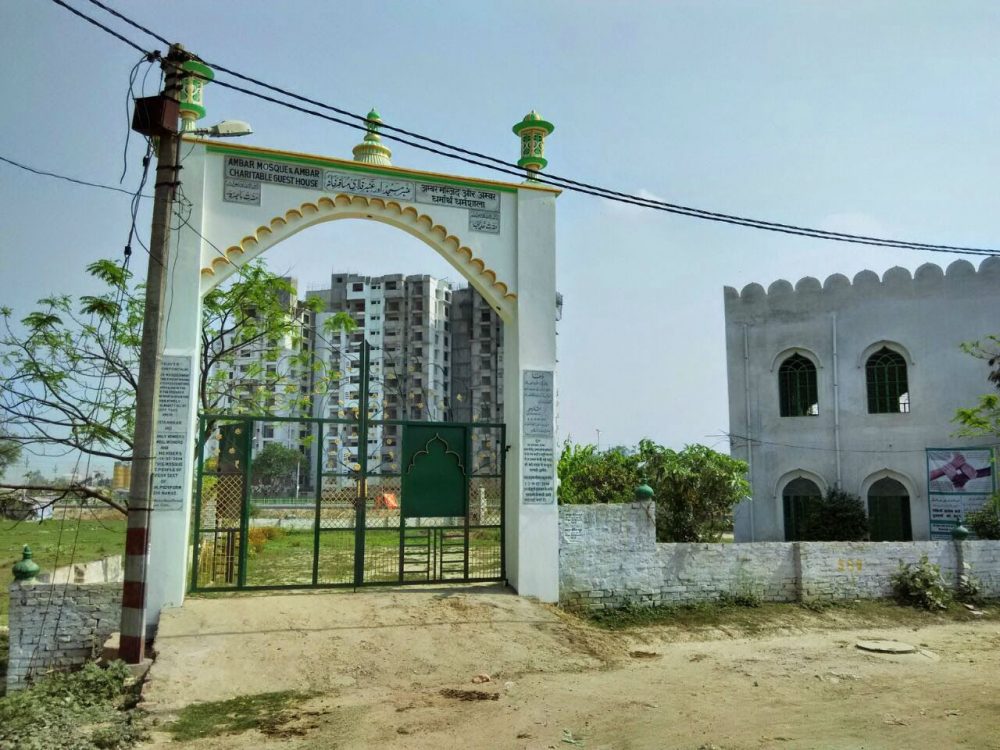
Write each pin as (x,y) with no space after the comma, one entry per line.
(489,162)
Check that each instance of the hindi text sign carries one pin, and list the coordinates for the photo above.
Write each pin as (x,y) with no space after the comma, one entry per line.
(172,439)
(538,450)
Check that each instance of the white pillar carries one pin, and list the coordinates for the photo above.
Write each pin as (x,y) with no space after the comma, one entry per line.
(532,527)
(166,579)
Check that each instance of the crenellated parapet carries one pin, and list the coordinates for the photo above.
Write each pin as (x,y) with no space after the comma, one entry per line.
(808,293)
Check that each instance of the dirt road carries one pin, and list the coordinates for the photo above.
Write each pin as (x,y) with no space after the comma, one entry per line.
(395,669)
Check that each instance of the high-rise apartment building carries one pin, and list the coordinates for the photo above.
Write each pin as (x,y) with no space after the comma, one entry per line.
(477,359)
(270,374)
(436,355)
(405,319)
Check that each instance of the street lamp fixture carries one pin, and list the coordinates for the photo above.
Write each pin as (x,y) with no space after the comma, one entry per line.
(225,129)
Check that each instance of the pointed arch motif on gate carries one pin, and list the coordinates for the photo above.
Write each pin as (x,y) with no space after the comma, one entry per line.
(344,206)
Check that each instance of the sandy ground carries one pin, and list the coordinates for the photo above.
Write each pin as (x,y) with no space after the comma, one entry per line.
(382,663)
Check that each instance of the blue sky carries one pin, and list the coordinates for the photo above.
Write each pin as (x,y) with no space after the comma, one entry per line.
(853,116)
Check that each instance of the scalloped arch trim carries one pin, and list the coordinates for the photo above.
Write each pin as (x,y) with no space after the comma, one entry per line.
(343,206)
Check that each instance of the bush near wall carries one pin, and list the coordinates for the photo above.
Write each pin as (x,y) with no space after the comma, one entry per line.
(838,517)
(695,489)
(985,522)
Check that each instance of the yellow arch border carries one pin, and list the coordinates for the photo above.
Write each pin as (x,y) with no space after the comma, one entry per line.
(344,206)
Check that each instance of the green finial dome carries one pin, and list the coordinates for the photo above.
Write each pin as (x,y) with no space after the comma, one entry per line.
(532,131)
(27,568)
(372,150)
(194,76)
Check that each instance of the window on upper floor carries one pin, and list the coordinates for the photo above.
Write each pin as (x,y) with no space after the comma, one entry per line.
(797,390)
(888,389)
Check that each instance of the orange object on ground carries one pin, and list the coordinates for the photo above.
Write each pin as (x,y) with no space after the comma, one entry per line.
(387,500)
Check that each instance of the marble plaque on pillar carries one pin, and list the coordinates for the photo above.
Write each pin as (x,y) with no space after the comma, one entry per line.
(173,439)
(538,467)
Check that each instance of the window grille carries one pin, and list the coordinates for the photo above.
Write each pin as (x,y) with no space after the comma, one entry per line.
(797,388)
(888,389)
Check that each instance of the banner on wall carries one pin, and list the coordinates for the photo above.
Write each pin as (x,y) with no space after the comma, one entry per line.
(959,481)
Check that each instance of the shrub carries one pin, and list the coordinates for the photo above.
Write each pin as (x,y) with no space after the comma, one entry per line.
(838,517)
(695,491)
(985,522)
(82,710)
(921,585)
(257,536)
(588,476)
(273,532)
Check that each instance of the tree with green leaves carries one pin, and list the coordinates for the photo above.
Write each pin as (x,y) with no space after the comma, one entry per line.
(275,461)
(984,417)
(587,475)
(10,451)
(695,490)
(68,374)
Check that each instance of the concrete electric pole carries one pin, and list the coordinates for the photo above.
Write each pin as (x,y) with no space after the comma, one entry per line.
(140,504)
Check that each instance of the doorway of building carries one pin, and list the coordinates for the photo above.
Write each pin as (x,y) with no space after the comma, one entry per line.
(800,499)
(889,512)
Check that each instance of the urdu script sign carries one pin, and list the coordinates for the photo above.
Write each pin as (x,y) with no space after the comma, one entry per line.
(244,175)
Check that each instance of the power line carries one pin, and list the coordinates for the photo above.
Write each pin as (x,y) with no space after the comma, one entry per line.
(101,26)
(550,178)
(755,441)
(506,167)
(43,173)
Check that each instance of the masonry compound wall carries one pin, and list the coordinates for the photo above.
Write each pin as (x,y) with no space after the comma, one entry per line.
(55,627)
(608,556)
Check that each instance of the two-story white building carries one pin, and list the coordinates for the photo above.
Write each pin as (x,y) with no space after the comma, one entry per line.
(848,383)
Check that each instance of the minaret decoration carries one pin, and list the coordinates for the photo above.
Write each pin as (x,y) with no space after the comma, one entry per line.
(532,130)
(192,96)
(371,150)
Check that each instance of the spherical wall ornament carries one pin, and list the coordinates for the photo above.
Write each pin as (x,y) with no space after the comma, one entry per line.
(26,569)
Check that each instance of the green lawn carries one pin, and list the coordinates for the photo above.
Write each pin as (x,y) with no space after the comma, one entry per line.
(288,558)
(96,539)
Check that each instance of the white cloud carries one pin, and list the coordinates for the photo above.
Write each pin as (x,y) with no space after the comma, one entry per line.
(631,210)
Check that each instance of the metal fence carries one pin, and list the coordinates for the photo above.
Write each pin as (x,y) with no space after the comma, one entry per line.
(310,502)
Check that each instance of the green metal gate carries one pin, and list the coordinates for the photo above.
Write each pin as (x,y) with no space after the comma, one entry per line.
(420,502)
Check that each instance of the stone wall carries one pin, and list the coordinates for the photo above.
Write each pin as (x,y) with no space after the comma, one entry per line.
(608,556)
(58,626)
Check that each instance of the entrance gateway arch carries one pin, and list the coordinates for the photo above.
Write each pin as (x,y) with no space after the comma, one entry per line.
(499,236)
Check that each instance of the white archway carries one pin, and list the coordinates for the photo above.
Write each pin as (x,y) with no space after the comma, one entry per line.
(342,206)
(242,201)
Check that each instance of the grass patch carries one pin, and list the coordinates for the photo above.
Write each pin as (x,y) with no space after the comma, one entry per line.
(86,710)
(266,712)
(4,653)
(96,539)
(767,617)
(286,557)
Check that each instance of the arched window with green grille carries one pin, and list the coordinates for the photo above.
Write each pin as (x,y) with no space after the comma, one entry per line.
(797,387)
(888,389)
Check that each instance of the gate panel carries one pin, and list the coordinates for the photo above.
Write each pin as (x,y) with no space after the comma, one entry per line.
(435,473)
(219,513)
(281,523)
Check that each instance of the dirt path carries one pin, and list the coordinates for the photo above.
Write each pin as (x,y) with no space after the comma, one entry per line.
(394,669)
